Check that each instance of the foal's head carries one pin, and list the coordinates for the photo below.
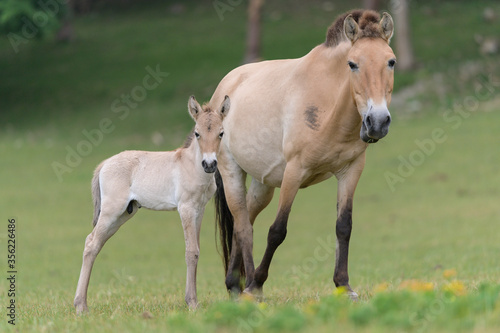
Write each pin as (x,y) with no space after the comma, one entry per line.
(208,130)
(371,64)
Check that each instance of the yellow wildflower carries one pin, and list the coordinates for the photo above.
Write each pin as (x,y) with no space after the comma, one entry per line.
(456,287)
(381,287)
(449,273)
(416,285)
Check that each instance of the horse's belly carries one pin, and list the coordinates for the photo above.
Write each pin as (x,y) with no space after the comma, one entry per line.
(265,167)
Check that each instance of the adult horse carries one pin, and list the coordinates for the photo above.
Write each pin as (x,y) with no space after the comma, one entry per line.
(295,123)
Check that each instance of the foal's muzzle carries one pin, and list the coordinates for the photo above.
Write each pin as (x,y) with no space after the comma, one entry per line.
(375,124)
(209,167)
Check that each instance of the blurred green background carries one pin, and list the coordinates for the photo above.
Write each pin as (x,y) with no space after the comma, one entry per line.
(441,213)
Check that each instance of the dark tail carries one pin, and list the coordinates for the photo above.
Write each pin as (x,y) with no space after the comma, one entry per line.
(224,221)
(96,194)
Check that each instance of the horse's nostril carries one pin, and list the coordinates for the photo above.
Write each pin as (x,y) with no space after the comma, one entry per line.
(203,164)
(368,121)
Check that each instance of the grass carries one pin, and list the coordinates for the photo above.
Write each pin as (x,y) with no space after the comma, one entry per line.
(424,252)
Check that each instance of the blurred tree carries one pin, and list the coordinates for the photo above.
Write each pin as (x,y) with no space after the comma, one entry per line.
(30,18)
(371,4)
(404,49)
(252,53)
(24,20)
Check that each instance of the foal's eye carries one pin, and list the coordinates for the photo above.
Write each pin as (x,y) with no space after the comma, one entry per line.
(391,63)
(221,134)
(353,65)
(197,135)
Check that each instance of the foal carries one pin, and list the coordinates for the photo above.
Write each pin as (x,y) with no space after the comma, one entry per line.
(182,179)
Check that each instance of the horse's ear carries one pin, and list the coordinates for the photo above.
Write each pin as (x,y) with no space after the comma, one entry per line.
(351,28)
(387,25)
(225,106)
(194,107)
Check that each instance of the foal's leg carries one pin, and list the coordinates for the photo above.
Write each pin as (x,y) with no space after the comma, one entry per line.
(191,223)
(109,222)
(346,185)
(277,232)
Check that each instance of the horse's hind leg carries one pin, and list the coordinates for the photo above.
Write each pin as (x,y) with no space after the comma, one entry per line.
(258,197)
(109,222)
(191,223)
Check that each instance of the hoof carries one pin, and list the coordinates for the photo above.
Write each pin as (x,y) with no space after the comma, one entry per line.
(254,294)
(192,305)
(81,310)
(352,295)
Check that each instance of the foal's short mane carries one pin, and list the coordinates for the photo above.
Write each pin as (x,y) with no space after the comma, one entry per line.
(368,21)
(189,139)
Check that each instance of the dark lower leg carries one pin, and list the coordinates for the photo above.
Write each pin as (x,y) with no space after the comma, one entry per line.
(276,236)
(343,231)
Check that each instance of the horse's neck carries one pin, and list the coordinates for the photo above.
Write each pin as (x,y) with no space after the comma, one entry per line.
(342,115)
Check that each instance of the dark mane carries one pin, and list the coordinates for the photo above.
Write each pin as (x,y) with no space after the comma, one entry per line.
(189,139)
(368,21)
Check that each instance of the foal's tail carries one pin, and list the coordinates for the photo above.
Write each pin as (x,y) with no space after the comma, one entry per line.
(96,193)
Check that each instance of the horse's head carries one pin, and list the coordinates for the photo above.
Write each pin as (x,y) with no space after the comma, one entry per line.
(371,63)
(208,130)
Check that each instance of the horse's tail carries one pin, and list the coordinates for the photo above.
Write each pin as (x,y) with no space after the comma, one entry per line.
(224,220)
(96,193)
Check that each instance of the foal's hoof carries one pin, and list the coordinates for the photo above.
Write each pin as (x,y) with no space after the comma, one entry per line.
(81,310)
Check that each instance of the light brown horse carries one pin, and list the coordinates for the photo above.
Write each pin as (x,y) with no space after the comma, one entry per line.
(295,123)
(181,180)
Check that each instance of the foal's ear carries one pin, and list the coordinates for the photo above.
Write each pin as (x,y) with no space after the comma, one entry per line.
(387,25)
(351,28)
(225,106)
(194,107)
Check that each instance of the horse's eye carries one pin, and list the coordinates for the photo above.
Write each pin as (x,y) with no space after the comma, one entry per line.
(221,135)
(391,63)
(353,65)
(197,135)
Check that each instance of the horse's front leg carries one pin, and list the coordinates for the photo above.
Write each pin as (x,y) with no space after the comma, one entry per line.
(292,180)
(347,182)
(191,217)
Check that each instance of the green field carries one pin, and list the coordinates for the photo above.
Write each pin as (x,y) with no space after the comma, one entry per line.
(425,248)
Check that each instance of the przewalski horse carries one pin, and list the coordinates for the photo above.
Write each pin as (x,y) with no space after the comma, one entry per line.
(295,123)
(182,179)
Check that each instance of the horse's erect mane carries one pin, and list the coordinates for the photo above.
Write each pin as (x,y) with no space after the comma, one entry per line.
(368,21)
